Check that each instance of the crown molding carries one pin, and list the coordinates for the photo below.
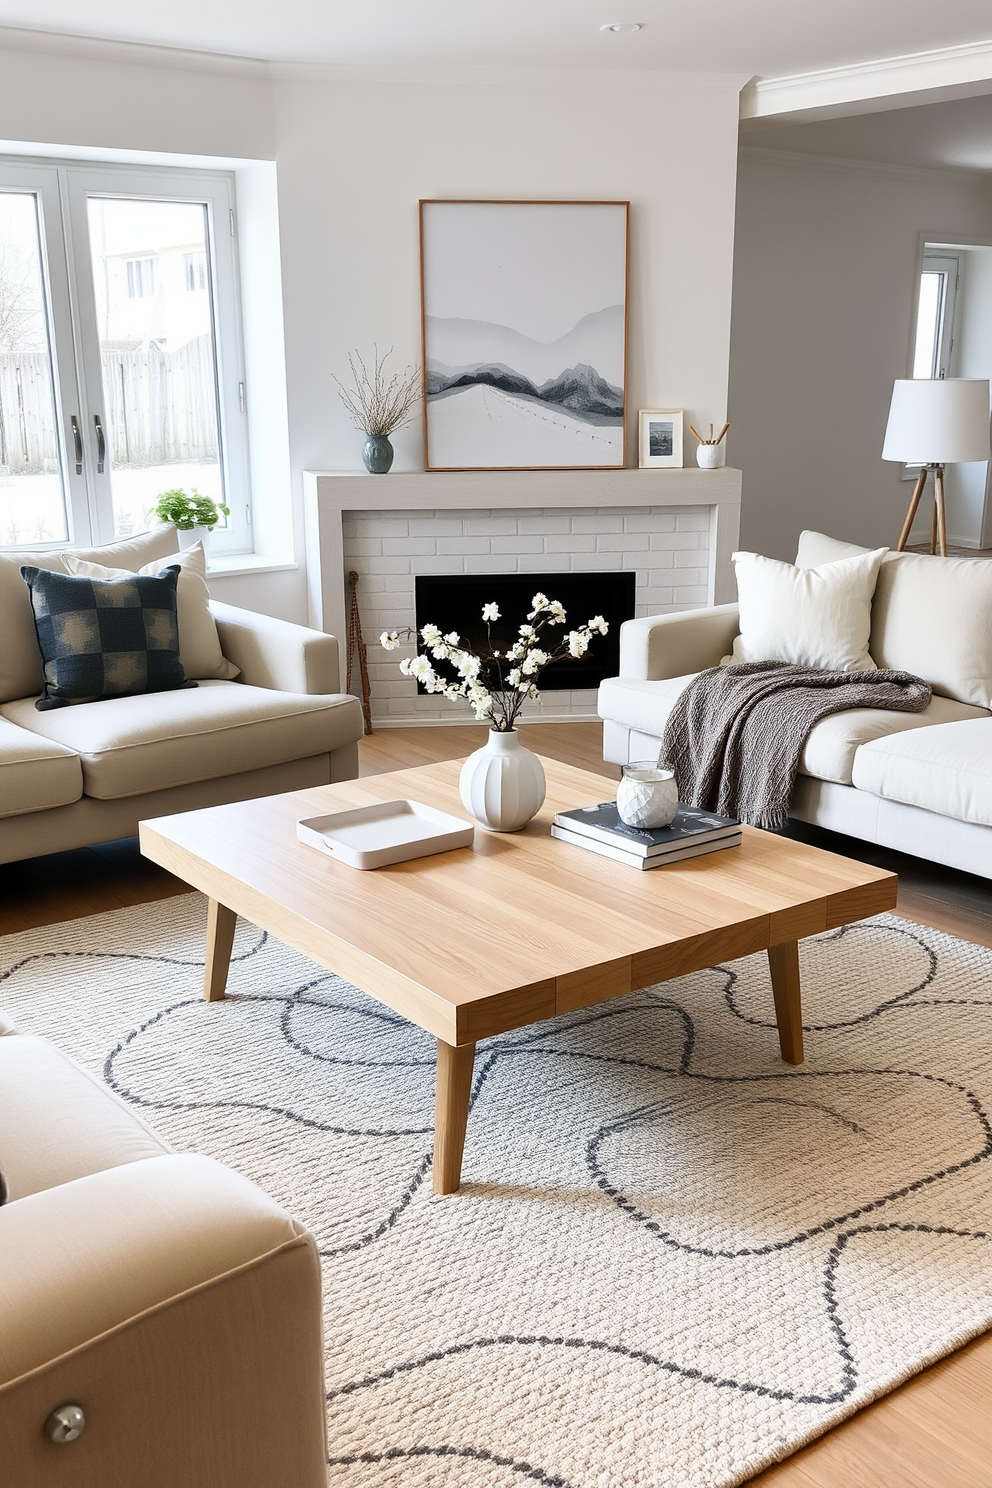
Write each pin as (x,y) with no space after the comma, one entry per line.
(842,165)
(133,53)
(891,81)
(479,74)
(142,54)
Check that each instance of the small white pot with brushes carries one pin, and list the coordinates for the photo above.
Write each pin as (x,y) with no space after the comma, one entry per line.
(710,453)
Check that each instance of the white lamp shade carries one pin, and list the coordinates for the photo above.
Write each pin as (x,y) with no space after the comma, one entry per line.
(938,422)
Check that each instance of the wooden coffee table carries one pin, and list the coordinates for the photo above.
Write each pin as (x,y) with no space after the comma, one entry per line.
(518,928)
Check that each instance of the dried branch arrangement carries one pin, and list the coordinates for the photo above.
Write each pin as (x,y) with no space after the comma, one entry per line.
(378,405)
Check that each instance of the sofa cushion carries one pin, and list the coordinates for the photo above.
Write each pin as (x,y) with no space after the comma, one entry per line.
(20,659)
(947,769)
(813,617)
(60,1123)
(930,616)
(130,746)
(104,638)
(199,643)
(642,706)
(831,747)
(35,773)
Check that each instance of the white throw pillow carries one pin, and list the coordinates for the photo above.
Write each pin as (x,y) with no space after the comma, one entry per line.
(814,617)
(199,643)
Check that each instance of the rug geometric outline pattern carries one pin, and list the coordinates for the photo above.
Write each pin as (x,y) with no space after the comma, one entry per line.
(324,992)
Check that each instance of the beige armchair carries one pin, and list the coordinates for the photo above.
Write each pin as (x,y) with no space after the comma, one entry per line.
(161,1303)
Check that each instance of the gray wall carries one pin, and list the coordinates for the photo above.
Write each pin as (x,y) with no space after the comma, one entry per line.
(825,274)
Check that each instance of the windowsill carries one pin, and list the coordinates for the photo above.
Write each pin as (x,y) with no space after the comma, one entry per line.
(245,563)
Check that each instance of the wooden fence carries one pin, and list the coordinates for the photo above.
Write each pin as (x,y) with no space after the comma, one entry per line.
(159,406)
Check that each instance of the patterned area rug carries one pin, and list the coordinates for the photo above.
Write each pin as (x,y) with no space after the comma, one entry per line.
(673,1260)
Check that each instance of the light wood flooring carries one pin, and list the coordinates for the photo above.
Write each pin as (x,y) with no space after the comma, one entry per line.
(935,1431)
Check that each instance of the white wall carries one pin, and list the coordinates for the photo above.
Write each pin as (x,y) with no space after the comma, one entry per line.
(825,283)
(122,100)
(353,158)
(969,519)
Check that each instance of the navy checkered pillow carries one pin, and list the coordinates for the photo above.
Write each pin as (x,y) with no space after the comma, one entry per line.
(105,638)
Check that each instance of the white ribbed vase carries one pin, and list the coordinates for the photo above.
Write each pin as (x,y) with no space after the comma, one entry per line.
(502,785)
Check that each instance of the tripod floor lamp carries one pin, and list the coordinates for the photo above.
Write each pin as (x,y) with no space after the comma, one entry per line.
(933,423)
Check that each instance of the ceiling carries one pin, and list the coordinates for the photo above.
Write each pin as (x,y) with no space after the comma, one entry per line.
(936,134)
(764,38)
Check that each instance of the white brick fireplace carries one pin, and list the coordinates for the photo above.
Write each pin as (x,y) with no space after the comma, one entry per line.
(675,529)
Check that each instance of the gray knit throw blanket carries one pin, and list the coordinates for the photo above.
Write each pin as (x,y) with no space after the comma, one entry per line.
(736,734)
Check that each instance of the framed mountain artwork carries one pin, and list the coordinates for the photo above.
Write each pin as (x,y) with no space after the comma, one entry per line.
(524,334)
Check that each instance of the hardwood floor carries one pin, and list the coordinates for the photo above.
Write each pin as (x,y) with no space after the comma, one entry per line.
(935,1431)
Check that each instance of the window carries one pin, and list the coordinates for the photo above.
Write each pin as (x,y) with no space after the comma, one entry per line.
(116,381)
(140,278)
(935,316)
(196,270)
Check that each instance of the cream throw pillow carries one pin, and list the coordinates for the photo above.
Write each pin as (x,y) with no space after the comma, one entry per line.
(814,617)
(199,643)
(930,616)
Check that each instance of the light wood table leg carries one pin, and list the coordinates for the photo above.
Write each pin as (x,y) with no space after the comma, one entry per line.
(454,1086)
(783,962)
(220,938)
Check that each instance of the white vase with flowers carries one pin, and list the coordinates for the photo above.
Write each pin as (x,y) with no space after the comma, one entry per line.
(501,785)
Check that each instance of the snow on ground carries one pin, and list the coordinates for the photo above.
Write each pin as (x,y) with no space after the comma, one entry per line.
(482,426)
(32,509)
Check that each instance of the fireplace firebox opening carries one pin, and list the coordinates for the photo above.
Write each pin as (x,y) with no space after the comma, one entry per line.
(454,602)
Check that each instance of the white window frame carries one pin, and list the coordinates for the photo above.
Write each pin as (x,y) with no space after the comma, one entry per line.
(42,181)
(948,267)
(62,189)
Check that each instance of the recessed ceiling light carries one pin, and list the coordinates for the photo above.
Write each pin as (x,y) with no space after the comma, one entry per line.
(621,28)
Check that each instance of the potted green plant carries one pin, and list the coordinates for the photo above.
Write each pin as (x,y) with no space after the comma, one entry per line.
(193,515)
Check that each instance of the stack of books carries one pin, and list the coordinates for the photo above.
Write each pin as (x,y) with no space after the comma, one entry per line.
(600,830)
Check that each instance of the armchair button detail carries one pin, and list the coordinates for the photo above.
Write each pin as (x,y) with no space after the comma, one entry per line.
(65,1424)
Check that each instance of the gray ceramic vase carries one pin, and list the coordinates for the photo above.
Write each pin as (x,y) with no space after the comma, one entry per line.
(377,454)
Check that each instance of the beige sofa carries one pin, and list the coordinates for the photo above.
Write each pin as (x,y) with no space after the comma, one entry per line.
(917,782)
(85,774)
(164,1295)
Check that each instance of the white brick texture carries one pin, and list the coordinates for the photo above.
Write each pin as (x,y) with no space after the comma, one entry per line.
(668,548)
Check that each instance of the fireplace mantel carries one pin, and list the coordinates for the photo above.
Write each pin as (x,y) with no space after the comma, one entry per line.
(330,494)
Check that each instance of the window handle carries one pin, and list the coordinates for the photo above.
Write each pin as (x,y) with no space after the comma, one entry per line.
(77,444)
(101,445)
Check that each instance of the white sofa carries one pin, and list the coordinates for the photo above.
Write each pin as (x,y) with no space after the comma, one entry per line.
(79,775)
(917,782)
(165,1295)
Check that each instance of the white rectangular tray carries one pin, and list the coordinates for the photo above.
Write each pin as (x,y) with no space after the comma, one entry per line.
(387,832)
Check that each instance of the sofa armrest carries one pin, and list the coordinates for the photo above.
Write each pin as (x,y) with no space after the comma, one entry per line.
(275,653)
(180,1307)
(662,646)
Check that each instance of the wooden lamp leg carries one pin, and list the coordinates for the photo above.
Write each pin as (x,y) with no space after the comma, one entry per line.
(921,481)
(938,506)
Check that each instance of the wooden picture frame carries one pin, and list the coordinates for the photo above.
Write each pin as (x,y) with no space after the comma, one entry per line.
(524,333)
(659,441)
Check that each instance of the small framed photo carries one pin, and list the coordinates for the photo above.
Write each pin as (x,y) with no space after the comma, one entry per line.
(660,442)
